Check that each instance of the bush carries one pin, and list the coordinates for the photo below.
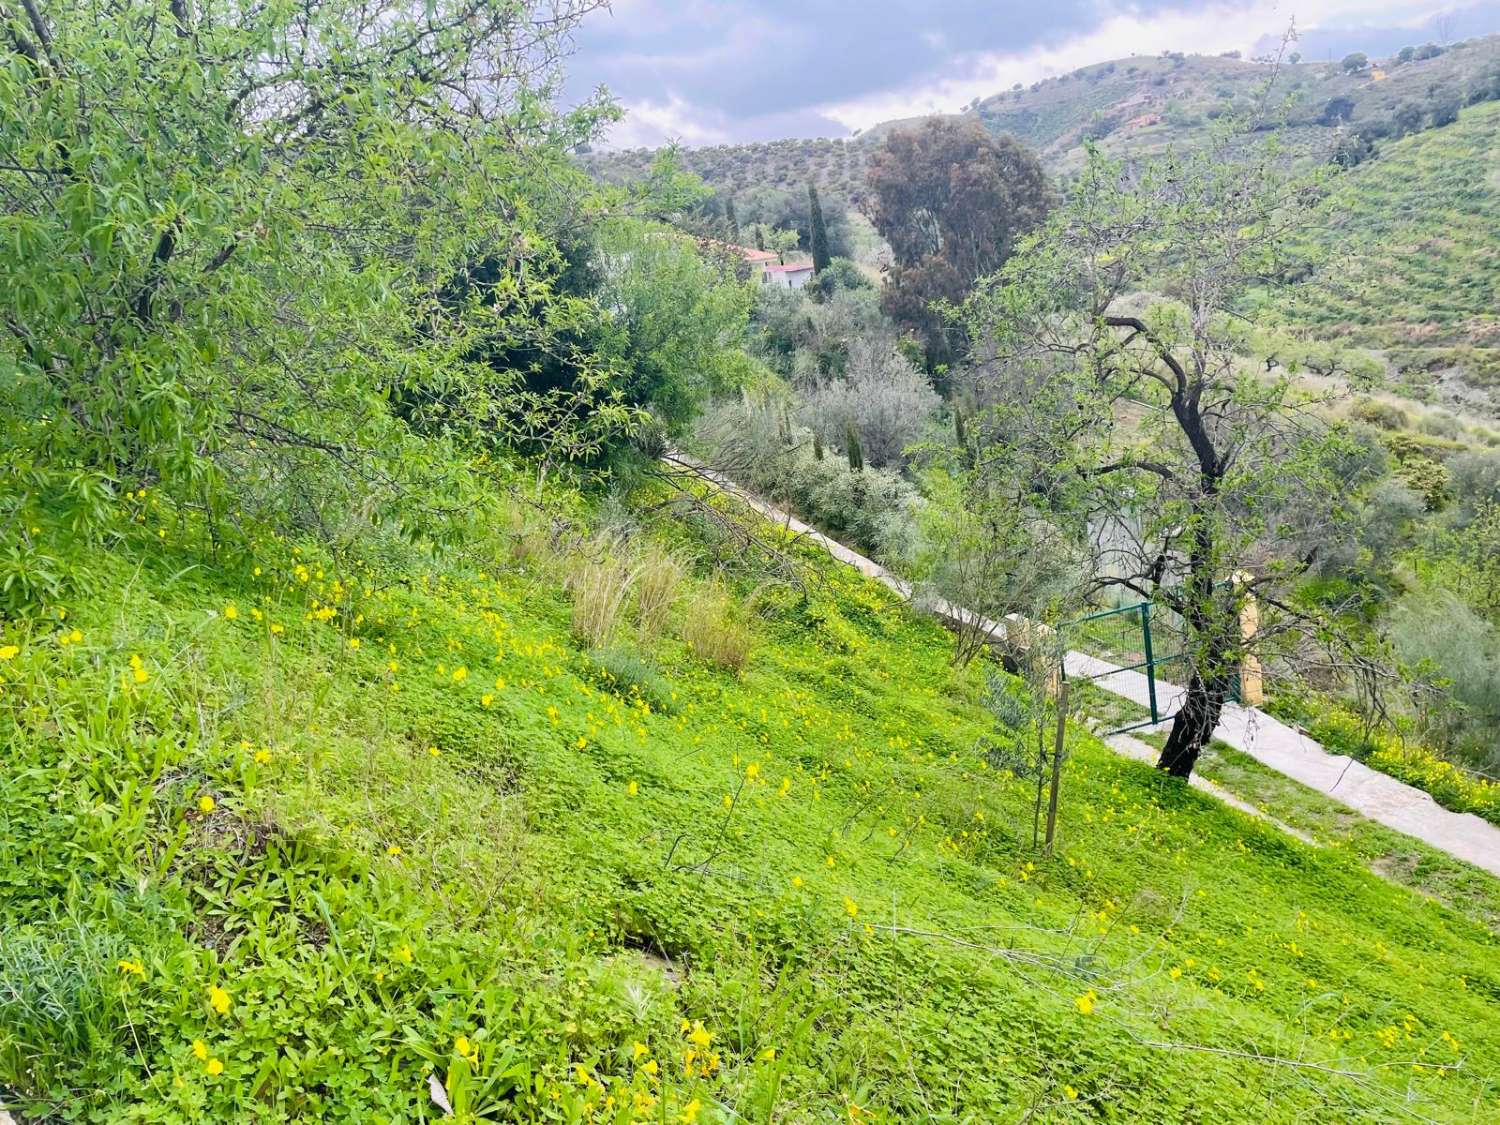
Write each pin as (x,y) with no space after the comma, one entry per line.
(873,511)
(626,673)
(713,631)
(1384,415)
(882,396)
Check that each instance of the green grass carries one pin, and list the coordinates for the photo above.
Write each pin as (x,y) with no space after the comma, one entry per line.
(812,859)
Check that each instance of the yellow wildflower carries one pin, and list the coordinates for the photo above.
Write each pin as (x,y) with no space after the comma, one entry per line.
(8,652)
(850,906)
(200,1049)
(393,849)
(1085,1003)
(218,1000)
(632,788)
(690,1112)
(206,804)
(231,612)
(132,966)
(403,953)
(461,1046)
(213,1068)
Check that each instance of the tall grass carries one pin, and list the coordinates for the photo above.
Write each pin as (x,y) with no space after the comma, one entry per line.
(713,631)
(600,582)
(659,579)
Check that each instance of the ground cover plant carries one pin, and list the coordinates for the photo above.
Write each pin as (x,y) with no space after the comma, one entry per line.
(295,836)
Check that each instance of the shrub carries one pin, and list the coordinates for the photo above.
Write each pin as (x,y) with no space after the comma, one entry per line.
(883,397)
(713,631)
(1384,415)
(626,673)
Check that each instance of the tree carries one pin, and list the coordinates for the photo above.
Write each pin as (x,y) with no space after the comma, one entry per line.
(239,230)
(675,325)
(1445,107)
(819,240)
(731,220)
(952,201)
(1337,109)
(1224,489)
(1355,62)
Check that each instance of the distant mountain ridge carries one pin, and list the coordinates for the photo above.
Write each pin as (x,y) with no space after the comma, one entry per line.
(1140,104)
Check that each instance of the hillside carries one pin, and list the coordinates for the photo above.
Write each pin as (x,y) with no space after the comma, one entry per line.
(1141,104)
(324,837)
(1414,263)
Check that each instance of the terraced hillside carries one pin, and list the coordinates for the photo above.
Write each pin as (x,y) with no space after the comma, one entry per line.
(1128,105)
(1414,265)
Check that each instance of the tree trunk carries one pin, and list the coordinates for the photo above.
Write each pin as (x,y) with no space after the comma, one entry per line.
(1194,724)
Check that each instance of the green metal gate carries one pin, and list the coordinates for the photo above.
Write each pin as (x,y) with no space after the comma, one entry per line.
(1143,637)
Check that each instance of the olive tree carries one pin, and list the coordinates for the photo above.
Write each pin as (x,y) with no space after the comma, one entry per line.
(1124,401)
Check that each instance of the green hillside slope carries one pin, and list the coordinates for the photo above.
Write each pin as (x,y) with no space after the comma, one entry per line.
(1414,265)
(289,836)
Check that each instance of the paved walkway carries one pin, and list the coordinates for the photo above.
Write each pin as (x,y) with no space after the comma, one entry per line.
(1274,744)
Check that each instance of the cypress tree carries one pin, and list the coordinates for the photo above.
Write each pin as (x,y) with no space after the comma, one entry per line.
(819,231)
(731,220)
(852,448)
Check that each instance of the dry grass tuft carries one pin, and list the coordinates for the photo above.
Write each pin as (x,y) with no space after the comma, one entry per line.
(659,579)
(713,632)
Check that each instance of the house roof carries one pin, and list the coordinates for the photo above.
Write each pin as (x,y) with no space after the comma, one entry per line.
(790,267)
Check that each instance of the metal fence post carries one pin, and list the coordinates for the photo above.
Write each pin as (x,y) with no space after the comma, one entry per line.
(1150,660)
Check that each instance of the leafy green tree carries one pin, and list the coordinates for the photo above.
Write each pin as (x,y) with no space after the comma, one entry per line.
(675,322)
(232,235)
(1220,487)
(839,275)
(819,240)
(1355,62)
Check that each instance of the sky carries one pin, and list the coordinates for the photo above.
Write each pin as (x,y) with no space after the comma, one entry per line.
(703,72)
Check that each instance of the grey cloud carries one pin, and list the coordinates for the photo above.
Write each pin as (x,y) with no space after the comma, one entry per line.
(753,66)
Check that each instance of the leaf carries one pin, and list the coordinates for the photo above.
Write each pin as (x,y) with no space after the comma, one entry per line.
(438,1094)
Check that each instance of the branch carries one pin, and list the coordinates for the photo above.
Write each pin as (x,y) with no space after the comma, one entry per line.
(1139,327)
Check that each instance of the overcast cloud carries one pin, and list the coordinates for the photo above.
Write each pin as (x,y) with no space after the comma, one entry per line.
(706,72)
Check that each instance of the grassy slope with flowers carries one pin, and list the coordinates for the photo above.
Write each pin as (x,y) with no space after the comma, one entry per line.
(289,837)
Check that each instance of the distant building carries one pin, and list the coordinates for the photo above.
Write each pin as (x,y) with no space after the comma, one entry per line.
(794,275)
(767,267)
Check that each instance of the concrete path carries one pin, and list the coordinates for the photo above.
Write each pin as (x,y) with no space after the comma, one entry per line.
(1274,744)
